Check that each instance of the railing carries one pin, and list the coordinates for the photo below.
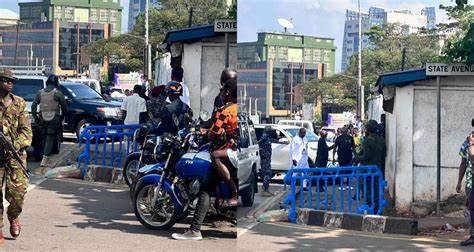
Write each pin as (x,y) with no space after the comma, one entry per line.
(331,182)
(106,138)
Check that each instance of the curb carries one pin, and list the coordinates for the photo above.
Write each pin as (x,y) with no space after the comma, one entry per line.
(358,222)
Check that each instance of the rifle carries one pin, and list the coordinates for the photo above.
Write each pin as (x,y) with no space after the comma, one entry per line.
(9,147)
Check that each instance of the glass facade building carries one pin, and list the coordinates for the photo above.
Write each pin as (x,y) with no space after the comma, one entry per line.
(138,6)
(85,11)
(267,86)
(50,44)
(430,13)
(375,16)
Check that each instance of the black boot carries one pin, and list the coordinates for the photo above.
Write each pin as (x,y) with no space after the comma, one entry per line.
(468,242)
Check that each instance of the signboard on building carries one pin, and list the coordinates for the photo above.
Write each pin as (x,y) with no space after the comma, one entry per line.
(441,69)
(225,25)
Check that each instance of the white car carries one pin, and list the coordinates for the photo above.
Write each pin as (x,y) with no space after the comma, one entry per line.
(281,137)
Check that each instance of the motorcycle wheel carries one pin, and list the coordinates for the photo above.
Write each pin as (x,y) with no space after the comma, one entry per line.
(130,169)
(160,217)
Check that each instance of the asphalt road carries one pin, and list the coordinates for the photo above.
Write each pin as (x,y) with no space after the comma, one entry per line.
(290,237)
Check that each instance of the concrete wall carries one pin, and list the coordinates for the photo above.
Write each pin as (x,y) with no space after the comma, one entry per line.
(203,63)
(411,136)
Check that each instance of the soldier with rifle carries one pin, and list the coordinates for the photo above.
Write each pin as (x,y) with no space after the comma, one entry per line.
(15,137)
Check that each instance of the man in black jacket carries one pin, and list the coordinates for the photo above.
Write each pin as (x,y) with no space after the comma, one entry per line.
(177,114)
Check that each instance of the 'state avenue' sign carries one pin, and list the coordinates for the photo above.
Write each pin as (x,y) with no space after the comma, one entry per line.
(441,69)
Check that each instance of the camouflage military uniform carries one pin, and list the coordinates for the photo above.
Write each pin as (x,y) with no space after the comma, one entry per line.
(15,125)
(265,159)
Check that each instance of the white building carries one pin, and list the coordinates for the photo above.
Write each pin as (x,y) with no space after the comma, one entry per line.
(200,52)
(379,16)
(8,17)
(411,112)
(411,21)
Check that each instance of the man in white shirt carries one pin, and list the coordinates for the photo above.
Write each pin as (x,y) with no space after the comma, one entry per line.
(299,153)
(177,74)
(134,107)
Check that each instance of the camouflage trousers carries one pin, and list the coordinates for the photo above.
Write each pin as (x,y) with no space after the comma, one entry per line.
(265,165)
(16,183)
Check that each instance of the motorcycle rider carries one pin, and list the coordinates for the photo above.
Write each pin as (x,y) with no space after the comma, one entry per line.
(176,114)
(53,109)
(222,157)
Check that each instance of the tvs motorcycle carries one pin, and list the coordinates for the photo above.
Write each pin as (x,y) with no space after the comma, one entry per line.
(161,200)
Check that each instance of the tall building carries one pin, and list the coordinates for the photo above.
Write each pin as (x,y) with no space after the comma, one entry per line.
(430,13)
(351,34)
(51,43)
(138,6)
(84,11)
(275,62)
(377,16)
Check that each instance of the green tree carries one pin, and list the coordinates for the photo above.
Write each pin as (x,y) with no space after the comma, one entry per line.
(128,49)
(459,45)
(385,54)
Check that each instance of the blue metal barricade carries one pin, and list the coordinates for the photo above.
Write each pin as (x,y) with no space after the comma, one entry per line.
(101,137)
(368,181)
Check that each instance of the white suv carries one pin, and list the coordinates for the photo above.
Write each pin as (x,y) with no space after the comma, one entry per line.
(249,161)
(281,137)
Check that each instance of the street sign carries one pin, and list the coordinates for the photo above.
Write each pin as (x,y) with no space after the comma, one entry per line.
(225,25)
(441,69)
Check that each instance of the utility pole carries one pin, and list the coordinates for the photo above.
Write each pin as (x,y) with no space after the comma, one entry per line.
(16,42)
(291,90)
(361,88)
(77,51)
(148,48)
(190,21)
(404,50)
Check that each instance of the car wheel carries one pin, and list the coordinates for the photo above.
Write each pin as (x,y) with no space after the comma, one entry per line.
(248,194)
(81,126)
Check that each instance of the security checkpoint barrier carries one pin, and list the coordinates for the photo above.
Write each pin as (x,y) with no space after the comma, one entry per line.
(105,138)
(368,179)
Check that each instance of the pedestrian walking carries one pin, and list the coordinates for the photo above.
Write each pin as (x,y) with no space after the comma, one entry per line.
(465,168)
(373,149)
(14,120)
(299,153)
(265,160)
(344,146)
(53,109)
(134,107)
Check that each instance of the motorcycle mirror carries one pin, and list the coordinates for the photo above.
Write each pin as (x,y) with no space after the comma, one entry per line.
(204,115)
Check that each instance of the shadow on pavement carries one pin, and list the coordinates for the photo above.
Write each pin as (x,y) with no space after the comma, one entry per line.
(290,237)
(109,207)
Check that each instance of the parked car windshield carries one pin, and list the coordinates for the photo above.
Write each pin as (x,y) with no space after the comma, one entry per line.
(310,136)
(27,88)
(83,92)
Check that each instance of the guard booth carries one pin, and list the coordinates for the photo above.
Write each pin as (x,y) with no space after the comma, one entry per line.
(202,52)
(410,100)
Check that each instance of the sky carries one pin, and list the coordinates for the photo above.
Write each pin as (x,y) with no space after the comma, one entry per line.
(13,5)
(323,18)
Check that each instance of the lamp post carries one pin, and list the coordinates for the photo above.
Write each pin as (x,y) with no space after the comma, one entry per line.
(360,87)
(147,43)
